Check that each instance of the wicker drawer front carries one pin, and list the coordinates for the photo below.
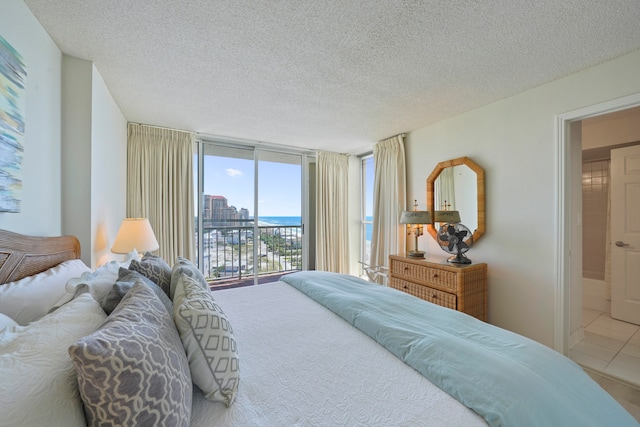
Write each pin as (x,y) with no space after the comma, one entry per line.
(432,295)
(441,278)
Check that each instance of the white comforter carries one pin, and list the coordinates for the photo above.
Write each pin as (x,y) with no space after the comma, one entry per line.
(301,365)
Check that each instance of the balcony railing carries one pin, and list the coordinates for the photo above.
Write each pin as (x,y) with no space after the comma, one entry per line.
(228,250)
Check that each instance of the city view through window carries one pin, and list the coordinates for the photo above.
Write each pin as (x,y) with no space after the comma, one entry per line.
(367,169)
(235,242)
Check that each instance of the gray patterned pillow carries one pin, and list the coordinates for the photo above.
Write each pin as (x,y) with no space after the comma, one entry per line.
(184,266)
(133,370)
(155,268)
(208,339)
(126,280)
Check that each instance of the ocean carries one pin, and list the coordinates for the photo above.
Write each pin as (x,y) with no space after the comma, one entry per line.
(296,220)
(280,220)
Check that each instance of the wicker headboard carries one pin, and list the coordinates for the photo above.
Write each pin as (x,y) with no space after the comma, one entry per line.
(22,256)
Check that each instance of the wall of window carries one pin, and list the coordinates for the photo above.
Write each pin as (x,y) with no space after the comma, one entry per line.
(252,209)
(367,175)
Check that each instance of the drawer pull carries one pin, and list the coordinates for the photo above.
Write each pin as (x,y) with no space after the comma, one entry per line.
(434,296)
(435,275)
(406,268)
(406,287)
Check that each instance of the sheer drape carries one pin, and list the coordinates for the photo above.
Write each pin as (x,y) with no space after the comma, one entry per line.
(389,200)
(332,237)
(160,186)
(445,191)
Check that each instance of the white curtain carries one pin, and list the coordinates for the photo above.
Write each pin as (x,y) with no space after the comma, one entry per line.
(332,237)
(160,186)
(445,191)
(389,200)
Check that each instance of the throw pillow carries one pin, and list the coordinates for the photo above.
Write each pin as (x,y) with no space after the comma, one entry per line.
(38,384)
(126,280)
(155,268)
(133,370)
(208,339)
(32,297)
(184,266)
(100,281)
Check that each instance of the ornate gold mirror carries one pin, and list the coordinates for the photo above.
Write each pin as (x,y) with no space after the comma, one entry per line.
(458,184)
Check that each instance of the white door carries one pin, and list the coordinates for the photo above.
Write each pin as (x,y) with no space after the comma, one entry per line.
(625,234)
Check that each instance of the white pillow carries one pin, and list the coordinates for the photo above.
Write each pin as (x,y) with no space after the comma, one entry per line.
(99,281)
(6,322)
(38,385)
(32,297)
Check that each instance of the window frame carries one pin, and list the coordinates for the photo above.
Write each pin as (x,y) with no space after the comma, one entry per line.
(261,152)
(365,222)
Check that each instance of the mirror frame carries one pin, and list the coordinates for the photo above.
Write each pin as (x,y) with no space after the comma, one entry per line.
(480,193)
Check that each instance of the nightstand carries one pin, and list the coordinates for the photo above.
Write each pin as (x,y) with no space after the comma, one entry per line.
(462,288)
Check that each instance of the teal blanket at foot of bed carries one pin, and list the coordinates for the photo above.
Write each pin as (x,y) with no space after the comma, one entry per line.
(508,379)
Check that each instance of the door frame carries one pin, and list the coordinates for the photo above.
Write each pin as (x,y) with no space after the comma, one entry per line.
(565,228)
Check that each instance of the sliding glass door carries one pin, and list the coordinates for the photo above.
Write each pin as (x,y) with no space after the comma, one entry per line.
(250,214)
(225,228)
(279,210)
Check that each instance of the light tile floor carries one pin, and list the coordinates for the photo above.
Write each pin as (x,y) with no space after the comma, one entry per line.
(609,346)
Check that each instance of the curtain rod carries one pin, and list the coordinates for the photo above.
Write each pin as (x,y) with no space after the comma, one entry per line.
(254,143)
(403,134)
(160,127)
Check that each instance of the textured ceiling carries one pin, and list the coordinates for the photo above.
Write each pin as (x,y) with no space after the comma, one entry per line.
(329,74)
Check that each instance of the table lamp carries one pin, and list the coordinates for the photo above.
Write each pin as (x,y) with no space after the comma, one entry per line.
(135,233)
(415,219)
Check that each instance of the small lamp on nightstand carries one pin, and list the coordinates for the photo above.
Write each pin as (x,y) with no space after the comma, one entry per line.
(415,219)
(135,233)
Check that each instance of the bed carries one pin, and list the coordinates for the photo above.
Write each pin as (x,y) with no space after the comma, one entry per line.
(313,349)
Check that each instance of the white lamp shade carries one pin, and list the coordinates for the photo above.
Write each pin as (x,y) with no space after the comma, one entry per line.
(135,233)
(415,217)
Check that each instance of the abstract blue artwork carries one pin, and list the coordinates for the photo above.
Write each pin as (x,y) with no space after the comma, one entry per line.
(13,74)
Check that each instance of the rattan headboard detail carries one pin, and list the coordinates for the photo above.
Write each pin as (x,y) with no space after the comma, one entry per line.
(22,256)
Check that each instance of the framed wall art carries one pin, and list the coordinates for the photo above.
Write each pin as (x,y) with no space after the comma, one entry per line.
(13,75)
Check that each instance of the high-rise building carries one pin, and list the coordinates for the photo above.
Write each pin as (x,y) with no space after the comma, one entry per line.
(217,212)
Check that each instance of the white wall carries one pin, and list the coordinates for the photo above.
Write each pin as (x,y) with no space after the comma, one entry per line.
(611,129)
(464,179)
(94,161)
(76,147)
(74,165)
(514,141)
(41,203)
(108,171)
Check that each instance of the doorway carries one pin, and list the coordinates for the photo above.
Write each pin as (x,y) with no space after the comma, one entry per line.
(574,322)
(608,342)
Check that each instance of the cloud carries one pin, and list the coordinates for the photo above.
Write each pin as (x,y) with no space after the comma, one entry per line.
(233,172)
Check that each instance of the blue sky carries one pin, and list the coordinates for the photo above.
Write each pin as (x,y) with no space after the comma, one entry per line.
(279,192)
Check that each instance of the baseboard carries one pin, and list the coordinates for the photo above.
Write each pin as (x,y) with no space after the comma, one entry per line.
(593,295)
(592,373)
